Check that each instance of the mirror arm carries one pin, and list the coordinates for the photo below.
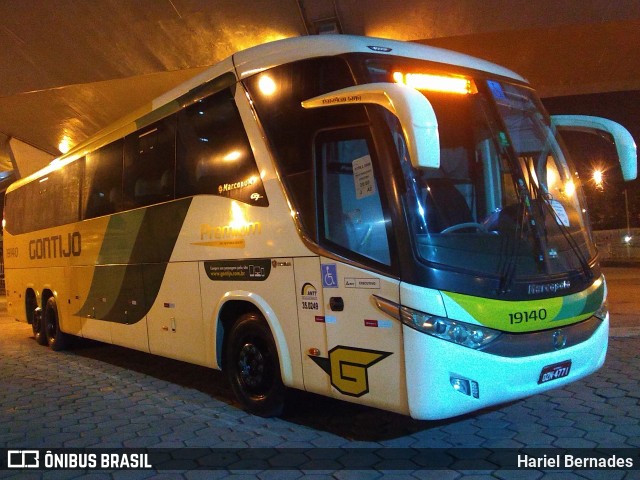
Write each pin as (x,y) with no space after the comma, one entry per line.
(416,115)
(625,145)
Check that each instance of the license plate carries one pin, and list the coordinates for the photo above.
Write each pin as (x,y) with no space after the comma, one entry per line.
(555,371)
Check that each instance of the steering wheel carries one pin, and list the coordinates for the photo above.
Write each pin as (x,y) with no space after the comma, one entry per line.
(461,226)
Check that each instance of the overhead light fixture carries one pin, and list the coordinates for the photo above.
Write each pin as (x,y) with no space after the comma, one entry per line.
(65,145)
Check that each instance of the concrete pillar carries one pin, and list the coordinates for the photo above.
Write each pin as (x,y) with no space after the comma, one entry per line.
(26,159)
(5,156)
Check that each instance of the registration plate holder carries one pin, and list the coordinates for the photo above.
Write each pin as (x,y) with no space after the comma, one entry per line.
(554,371)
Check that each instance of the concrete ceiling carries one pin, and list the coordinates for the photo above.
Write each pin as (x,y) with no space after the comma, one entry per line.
(70,67)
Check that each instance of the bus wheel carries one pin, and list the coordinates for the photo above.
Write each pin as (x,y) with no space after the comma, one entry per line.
(56,338)
(37,325)
(34,317)
(252,366)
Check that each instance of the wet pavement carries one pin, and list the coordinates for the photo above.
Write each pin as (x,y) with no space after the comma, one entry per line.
(99,396)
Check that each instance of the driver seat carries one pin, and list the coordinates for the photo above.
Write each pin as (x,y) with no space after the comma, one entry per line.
(445,205)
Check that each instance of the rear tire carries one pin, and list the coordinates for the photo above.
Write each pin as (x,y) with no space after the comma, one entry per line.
(56,338)
(252,366)
(34,317)
(37,325)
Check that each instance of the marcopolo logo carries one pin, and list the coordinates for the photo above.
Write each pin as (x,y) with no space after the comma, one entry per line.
(56,246)
(537,288)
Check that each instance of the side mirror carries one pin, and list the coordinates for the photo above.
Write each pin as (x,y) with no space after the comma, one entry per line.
(625,146)
(416,115)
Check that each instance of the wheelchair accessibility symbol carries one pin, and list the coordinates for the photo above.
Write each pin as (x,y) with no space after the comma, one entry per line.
(329,276)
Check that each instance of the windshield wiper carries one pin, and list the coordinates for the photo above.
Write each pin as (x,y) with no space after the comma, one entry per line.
(540,243)
(573,244)
(525,210)
(543,199)
(536,213)
(508,272)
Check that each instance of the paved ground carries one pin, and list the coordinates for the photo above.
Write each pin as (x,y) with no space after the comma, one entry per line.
(101,396)
(624,300)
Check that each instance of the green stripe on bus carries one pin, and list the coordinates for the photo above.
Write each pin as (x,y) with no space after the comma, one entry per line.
(133,258)
(527,315)
(120,237)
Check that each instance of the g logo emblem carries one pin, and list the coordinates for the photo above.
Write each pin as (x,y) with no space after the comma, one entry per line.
(347,367)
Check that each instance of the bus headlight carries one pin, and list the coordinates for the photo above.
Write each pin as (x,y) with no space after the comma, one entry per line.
(466,334)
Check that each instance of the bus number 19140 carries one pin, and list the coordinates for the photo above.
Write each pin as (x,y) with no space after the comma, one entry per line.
(530,316)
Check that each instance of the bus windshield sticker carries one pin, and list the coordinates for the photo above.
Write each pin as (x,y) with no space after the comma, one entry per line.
(561,213)
(363,177)
(246,270)
(496,90)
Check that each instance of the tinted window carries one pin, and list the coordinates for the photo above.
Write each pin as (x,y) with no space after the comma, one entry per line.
(102,186)
(67,184)
(149,163)
(291,128)
(15,210)
(214,157)
(53,199)
(213,152)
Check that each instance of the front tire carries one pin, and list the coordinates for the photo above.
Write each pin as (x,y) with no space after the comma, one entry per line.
(56,338)
(252,366)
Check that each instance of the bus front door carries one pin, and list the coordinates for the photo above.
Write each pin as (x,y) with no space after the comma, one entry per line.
(364,359)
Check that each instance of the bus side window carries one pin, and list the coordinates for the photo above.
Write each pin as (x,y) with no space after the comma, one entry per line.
(149,163)
(213,152)
(51,200)
(352,216)
(102,186)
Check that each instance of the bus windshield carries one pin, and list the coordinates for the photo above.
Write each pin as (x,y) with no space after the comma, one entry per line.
(504,201)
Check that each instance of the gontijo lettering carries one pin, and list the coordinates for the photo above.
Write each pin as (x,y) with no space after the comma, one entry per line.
(56,246)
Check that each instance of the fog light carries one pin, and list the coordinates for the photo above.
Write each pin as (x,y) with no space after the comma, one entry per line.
(465,386)
(461,385)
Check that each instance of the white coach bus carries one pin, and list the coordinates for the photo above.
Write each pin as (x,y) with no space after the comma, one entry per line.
(378,221)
